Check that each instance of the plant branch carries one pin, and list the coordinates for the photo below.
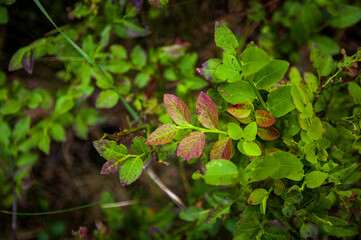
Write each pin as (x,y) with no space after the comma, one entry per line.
(164,188)
(259,97)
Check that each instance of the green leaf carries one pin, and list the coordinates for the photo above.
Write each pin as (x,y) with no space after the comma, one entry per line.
(177,109)
(224,38)
(235,131)
(335,226)
(355,91)
(253,59)
(264,119)
(139,146)
(107,99)
(276,165)
(316,129)
(3,15)
(246,228)
(162,135)
(275,230)
(280,101)
(118,66)
(323,63)
(311,81)
(130,171)
(268,133)
(21,128)
(289,125)
(138,56)
(251,148)
(221,172)
(309,230)
(229,69)
(191,214)
(109,149)
(141,79)
(271,74)
(257,196)
(118,51)
(222,149)
(10,107)
(346,16)
(57,132)
(326,44)
(237,92)
(5,134)
(250,131)
(44,144)
(241,110)
(299,97)
(279,187)
(208,69)
(191,146)
(315,179)
(63,105)
(206,110)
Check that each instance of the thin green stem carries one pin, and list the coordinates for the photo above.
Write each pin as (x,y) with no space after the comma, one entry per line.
(259,97)
(90,60)
(202,129)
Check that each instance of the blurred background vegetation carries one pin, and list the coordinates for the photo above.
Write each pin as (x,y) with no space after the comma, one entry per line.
(53,104)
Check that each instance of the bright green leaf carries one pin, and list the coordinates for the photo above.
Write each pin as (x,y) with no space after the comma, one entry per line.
(280,101)
(130,170)
(221,172)
(250,131)
(235,131)
(315,179)
(107,99)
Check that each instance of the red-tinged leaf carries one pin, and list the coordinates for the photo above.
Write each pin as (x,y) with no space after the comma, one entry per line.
(177,109)
(162,135)
(264,119)
(240,110)
(222,149)
(110,166)
(206,111)
(28,61)
(268,133)
(191,146)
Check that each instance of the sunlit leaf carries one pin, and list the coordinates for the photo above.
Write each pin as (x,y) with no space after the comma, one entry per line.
(224,37)
(235,131)
(268,133)
(162,135)
(254,59)
(241,110)
(191,146)
(315,179)
(177,109)
(264,119)
(221,172)
(206,111)
(222,149)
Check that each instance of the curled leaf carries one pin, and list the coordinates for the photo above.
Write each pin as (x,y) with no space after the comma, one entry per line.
(191,146)
(177,109)
(206,111)
(222,149)
(240,110)
(268,133)
(162,135)
(264,119)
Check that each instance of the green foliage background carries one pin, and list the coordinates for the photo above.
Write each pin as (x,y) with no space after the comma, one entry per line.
(103,80)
